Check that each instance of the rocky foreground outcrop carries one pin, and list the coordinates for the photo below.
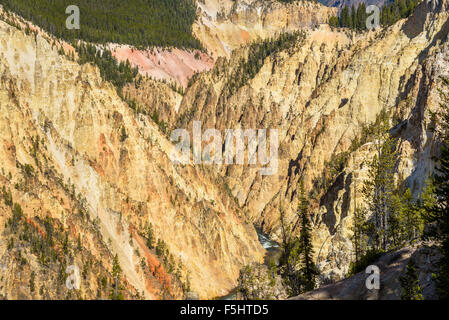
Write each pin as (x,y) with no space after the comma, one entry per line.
(392,267)
(258,282)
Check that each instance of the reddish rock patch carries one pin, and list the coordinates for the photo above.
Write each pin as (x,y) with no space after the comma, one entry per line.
(173,65)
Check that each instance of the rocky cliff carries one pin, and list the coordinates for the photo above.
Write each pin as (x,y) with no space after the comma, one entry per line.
(392,267)
(173,65)
(224,25)
(82,174)
(320,94)
(73,153)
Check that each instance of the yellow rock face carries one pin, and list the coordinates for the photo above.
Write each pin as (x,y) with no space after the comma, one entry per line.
(73,151)
(319,94)
(225,25)
(94,146)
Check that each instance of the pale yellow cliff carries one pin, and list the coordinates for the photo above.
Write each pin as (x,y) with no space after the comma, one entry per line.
(73,150)
(225,25)
(96,147)
(320,94)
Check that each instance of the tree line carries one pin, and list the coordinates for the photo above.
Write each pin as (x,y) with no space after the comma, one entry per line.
(390,217)
(353,18)
(436,209)
(143,23)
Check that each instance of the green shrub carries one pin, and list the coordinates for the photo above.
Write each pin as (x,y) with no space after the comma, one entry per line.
(367,259)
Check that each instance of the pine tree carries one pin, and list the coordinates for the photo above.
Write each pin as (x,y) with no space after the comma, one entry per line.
(334,22)
(396,10)
(161,248)
(123,135)
(289,255)
(359,240)
(379,187)
(150,237)
(353,18)
(411,289)
(361,16)
(403,11)
(116,273)
(79,247)
(153,23)
(300,271)
(437,212)
(308,270)
(409,221)
(345,18)
(32,285)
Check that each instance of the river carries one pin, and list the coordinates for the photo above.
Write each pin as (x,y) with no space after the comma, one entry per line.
(273,250)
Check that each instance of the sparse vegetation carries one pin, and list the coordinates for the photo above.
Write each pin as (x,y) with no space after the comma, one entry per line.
(116,292)
(123,134)
(366,259)
(338,162)
(257,52)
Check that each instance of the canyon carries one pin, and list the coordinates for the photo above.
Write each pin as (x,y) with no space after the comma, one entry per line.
(223,26)
(74,155)
(319,94)
(81,161)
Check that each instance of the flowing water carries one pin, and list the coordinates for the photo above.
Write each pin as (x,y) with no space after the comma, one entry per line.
(273,251)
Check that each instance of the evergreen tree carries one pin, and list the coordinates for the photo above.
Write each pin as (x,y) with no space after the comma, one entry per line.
(32,284)
(379,187)
(308,269)
(359,240)
(111,70)
(353,18)
(403,10)
(123,134)
(408,222)
(390,14)
(289,255)
(437,211)
(334,22)
(257,52)
(161,248)
(300,271)
(116,273)
(345,18)
(79,247)
(361,16)
(411,289)
(150,237)
(397,10)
